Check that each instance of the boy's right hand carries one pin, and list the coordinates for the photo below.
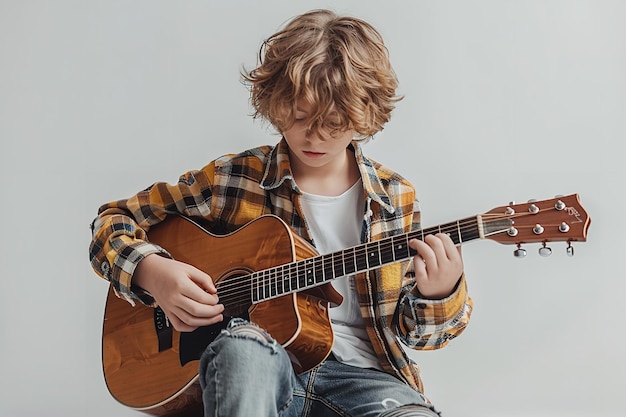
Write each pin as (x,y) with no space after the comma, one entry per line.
(186,294)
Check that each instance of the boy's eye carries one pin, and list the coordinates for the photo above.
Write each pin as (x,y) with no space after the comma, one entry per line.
(333,125)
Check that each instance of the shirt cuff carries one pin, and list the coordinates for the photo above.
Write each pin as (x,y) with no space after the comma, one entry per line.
(125,264)
(440,311)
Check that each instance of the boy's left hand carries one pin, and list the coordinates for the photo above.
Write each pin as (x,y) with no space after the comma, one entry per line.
(438,265)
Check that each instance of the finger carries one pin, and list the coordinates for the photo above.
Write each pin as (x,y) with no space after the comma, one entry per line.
(452,251)
(198,295)
(190,324)
(195,314)
(202,279)
(199,287)
(419,262)
(428,249)
(419,265)
(443,247)
(448,254)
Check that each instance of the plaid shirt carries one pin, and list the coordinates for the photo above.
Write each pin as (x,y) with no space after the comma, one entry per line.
(235,189)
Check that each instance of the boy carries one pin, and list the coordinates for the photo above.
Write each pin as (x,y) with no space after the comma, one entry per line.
(325,84)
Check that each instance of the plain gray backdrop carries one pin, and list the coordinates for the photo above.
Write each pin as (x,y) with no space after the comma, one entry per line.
(504,100)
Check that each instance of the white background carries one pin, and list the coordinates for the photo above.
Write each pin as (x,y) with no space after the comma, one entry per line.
(505,100)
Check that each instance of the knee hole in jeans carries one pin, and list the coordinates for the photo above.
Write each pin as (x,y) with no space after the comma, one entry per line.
(250,331)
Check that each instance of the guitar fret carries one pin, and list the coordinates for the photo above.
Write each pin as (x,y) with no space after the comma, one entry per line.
(254,296)
(387,256)
(271,283)
(373,255)
(266,284)
(360,260)
(329,267)
(259,283)
(313,272)
(401,248)
(320,275)
(454,236)
(280,277)
(301,275)
(293,277)
(262,286)
(317,274)
(349,261)
(338,269)
(309,276)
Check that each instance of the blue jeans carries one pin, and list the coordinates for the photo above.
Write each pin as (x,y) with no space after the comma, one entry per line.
(244,375)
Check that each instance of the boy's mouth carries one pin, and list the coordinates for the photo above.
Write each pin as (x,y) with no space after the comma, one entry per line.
(313,154)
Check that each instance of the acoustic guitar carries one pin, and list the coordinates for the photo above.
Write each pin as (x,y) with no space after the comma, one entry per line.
(270,275)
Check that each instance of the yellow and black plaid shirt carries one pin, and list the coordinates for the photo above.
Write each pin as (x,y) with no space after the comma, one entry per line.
(235,189)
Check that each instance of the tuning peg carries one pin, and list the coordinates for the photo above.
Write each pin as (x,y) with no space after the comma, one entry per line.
(519,252)
(570,249)
(545,250)
(512,231)
(559,205)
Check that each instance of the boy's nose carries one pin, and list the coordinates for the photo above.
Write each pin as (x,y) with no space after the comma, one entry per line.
(311,135)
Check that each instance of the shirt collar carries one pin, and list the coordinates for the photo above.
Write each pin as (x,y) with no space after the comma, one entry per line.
(278,170)
(371,181)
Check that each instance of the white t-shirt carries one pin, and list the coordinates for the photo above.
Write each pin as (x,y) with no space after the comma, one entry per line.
(335,224)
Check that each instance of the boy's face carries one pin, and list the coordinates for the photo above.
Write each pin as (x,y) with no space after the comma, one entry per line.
(308,150)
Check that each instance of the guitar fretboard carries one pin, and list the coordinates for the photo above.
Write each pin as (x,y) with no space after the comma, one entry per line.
(312,272)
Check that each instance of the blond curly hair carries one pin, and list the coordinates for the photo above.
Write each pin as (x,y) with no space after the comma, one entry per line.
(339,65)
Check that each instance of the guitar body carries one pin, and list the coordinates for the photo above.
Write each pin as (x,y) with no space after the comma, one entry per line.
(151,367)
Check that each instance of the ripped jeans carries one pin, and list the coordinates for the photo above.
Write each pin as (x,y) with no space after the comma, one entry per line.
(245,373)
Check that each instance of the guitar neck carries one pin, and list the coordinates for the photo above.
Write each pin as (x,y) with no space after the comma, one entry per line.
(312,272)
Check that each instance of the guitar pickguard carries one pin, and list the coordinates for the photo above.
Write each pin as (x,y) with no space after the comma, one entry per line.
(193,344)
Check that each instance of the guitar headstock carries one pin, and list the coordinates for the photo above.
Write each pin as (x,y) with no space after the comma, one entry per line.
(560,219)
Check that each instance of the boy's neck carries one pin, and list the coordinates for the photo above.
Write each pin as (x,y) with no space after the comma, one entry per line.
(329,181)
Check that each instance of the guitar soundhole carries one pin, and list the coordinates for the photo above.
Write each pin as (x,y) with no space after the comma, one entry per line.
(234,291)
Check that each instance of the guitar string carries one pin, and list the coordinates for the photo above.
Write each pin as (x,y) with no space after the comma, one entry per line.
(240,291)
(271,276)
(269,279)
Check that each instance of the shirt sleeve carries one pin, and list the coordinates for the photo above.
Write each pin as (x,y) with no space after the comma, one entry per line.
(430,324)
(119,233)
